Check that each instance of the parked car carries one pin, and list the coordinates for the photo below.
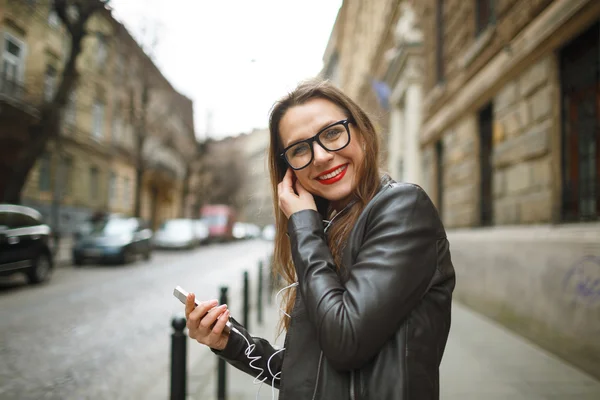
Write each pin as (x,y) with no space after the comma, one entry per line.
(177,233)
(244,230)
(268,232)
(114,239)
(219,219)
(25,243)
(201,230)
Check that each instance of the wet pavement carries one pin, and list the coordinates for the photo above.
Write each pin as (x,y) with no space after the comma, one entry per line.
(103,332)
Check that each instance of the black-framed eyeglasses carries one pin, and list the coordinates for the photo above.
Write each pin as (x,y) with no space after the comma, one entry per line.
(333,137)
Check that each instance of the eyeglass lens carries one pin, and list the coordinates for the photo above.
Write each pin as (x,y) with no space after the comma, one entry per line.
(332,139)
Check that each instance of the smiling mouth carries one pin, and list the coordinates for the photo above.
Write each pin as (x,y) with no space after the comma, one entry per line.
(333,176)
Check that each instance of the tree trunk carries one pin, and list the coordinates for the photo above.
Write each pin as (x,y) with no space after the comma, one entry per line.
(186,191)
(140,132)
(44,129)
(139,176)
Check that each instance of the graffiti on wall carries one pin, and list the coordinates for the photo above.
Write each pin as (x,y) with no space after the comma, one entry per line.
(582,280)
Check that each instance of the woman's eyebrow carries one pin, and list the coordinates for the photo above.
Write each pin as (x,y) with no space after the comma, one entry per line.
(323,126)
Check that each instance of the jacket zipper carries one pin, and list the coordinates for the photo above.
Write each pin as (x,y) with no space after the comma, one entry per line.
(318,375)
(352,395)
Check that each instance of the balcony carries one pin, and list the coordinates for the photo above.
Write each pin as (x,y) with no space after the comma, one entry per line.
(14,94)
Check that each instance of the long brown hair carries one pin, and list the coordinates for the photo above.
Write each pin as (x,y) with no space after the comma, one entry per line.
(366,188)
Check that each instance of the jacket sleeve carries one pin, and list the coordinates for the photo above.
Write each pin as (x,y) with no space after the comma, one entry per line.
(390,275)
(264,361)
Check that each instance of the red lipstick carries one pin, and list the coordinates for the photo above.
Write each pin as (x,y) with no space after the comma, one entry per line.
(336,178)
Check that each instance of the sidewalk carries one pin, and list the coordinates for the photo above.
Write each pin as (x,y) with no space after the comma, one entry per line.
(240,386)
(482,361)
(202,363)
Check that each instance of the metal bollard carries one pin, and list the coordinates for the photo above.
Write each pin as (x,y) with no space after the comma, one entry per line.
(178,359)
(221,370)
(246,301)
(259,300)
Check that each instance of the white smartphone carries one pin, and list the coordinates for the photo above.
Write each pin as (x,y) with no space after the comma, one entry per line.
(182,294)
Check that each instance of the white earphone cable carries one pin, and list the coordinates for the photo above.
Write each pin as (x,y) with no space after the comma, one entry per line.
(253,359)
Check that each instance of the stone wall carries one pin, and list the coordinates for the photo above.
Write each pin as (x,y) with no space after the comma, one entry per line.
(461,174)
(523,116)
(541,282)
(464,52)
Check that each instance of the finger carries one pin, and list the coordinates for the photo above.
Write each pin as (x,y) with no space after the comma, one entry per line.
(220,325)
(209,319)
(287,180)
(189,304)
(202,309)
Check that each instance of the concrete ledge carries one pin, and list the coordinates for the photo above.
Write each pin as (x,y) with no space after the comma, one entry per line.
(579,233)
(541,281)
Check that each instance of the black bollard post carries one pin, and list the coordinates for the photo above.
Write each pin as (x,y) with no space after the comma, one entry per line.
(221,370)
(246,301)
(178,359)
(259,300)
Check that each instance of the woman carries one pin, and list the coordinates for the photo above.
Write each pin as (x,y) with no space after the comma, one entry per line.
(370,314)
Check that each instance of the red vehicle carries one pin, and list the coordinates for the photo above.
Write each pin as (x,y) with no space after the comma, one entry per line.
(220,219)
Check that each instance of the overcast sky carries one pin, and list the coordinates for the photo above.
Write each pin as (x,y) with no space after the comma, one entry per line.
(234,58)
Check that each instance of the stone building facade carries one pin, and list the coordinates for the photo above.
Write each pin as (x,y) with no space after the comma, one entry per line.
(92,166)
(257,206)
(404,78)
(355,56)
(511,157)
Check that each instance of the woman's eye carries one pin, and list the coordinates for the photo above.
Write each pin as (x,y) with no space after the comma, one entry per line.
(299,150)
(332,133)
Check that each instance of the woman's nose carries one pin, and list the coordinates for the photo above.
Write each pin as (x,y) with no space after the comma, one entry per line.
(322,156)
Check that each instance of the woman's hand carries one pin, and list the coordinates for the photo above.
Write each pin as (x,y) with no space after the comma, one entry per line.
(289,201)
(201,322)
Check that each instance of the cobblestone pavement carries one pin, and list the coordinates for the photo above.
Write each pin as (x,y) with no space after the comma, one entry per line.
(103,332)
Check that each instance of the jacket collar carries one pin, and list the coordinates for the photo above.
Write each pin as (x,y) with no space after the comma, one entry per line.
(385,179)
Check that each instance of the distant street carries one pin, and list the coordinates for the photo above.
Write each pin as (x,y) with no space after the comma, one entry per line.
(103,332)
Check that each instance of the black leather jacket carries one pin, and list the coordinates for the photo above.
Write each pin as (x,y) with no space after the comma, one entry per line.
(377,331)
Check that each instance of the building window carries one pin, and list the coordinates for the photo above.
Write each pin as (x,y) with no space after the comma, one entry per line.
(332,70)
(101,51)
(112,188)
(65,173)
(580,93)
(126,192)
(70,114)
(484,15)
(97,119)
(439,175)
(72,12)
(439,51)
(53,19)
(13,59)
(117,123)
(94,189)
(50,83)
(44,173)
(485,165)
(119,67)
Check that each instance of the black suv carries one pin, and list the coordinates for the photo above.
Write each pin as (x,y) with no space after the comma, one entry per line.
(25,243)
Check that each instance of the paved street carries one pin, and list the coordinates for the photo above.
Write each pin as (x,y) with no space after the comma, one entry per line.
(104,332)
